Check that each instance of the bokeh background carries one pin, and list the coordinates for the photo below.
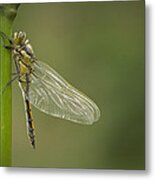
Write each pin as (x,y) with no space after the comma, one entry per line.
(99,48)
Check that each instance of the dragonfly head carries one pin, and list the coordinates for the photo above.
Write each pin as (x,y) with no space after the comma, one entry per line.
(19,38)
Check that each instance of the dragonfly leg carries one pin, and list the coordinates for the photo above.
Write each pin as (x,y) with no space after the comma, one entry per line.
(14,73)
(9,83)
(3,36)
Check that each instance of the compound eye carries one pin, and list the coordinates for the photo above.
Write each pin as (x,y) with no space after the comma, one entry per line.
(29,49)
(21,35)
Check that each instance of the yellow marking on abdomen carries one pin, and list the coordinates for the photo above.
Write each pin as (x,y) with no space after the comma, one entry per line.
(30,123)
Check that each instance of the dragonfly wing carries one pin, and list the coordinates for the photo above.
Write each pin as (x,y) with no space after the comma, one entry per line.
(52,94)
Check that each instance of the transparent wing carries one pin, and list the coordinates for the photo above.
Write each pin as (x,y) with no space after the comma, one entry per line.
(52,94)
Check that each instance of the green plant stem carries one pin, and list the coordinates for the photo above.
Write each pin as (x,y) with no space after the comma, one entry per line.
(7,15)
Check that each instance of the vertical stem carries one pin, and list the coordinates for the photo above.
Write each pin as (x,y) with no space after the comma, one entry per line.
(7,15)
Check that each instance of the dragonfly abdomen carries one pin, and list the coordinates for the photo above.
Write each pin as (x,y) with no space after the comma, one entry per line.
(24,83)
(30,122)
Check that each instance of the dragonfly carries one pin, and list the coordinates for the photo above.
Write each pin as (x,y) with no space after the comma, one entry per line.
(45,89)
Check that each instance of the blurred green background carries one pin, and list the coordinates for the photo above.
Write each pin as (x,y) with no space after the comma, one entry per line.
(99,48)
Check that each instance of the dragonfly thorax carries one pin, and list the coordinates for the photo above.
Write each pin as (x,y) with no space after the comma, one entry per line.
(22,46)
